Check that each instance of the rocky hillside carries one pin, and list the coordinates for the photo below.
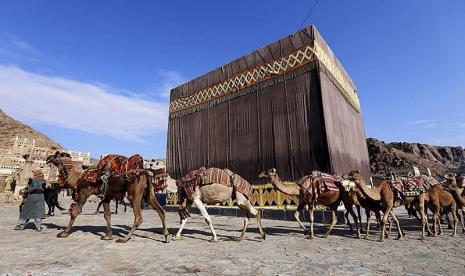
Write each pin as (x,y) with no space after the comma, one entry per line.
(10,127)
(399,157)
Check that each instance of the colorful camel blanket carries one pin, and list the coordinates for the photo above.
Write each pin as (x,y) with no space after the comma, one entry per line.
(202,176)
(114,164)
(158,179)
(408,187)
(319,182)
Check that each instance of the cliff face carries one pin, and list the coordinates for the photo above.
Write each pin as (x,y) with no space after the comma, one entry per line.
(10,127)
(399,157)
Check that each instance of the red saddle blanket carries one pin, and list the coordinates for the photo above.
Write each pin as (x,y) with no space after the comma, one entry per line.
(319,182)
(113,164)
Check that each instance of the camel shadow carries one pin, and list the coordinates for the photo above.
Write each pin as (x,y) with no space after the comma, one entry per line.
(95,230)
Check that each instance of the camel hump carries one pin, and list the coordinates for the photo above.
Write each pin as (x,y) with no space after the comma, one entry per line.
(216,175)
(241,185)
(135,162)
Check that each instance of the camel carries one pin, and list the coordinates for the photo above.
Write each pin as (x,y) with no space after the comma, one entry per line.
(212,190)
(459,196)
(437,199)
(310,197)
(380,198)
(118,185)
(360,200)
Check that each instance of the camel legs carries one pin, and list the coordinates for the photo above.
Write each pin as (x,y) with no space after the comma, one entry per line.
(334,221)
(198,202)
(161,213)
(183,223)
(107,215)
(368,215)
(116,210)
(350,210)
(74,210)
(299,209)
(311,218)
(247,209)
(136,199)
(424,218)
(400,234)
(459,217)
(384,220)
(98,207)
(246,223)
(359,218)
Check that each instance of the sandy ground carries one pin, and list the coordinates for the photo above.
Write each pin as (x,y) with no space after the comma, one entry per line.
(285,251)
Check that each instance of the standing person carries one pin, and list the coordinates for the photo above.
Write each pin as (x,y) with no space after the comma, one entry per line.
(34,207)
(462,178)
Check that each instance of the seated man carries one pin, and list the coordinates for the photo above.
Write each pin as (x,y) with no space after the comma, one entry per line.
(34,205)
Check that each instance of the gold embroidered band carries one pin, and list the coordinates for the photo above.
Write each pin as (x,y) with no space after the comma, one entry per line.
(269,70)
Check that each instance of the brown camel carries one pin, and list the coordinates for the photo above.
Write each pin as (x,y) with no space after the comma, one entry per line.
(459,196)
(311,196)
(360,200)
(135,185)
(380,198)
(437,199)
(211,186)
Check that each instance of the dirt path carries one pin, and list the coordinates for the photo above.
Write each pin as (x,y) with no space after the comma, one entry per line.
(285,252)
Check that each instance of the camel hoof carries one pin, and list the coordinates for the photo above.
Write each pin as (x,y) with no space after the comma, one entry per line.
(326,236)
(365,237)
(311,237)
(399,238)
(107,237)
(238,239)
(215,240)
(176,238)
(63,234)
(264,236)
(121,241)
(167,239)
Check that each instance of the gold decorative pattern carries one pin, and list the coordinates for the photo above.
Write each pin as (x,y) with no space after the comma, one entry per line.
(263,195)
(348,91)
(266,71)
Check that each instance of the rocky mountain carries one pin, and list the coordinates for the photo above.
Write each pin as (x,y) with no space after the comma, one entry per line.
(10,127)
(399,157)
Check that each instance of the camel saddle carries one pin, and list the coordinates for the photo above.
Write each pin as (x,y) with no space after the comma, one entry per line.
(114,164)
(318,182)
(158,179)
(202,176)
(240,184)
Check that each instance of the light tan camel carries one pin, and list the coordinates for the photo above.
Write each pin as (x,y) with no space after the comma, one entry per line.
(380,198)
(118,186)
(213,193)
(437,199)
(307,197)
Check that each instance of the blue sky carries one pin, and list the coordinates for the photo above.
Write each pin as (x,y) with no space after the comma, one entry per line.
(95,75)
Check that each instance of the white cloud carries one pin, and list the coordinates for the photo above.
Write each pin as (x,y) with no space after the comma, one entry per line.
(67,103)
(171,79)
(424,123)
(16,48)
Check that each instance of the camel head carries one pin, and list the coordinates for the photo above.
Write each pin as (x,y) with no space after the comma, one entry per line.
(451,178)
(355,176)
(269,174)
(55,159)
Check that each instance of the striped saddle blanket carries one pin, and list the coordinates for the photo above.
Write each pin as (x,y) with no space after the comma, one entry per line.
(319,182)
(240,184)
(202,176)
